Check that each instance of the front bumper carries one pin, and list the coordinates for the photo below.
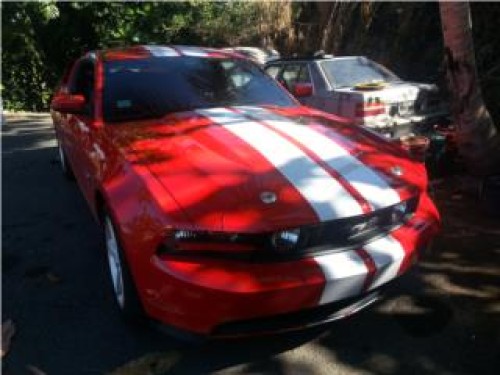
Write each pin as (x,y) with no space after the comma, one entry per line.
(224,298)
(298,320)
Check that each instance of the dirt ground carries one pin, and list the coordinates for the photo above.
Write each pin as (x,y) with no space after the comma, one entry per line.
(443,317)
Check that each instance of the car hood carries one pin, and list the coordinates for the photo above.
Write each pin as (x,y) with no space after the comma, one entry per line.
(260,169)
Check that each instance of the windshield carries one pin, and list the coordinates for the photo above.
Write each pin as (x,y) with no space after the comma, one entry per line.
(354,71)
(154,87)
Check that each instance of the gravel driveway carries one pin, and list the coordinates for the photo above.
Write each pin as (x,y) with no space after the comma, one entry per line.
(444,317)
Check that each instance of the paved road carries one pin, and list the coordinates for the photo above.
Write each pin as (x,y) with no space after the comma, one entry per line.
(443,319)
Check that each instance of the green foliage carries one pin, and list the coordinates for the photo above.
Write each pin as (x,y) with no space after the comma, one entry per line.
(23,71)
(40,38)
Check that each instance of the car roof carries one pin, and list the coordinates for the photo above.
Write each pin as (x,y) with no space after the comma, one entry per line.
(148,51)
(313,58)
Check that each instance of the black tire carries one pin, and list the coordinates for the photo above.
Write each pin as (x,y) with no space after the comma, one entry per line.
(122,284)
(63,161)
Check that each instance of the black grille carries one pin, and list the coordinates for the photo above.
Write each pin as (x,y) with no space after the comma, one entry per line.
(337,234)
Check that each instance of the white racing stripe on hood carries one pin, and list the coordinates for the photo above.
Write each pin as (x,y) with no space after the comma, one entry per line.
(373,188)
(323,193)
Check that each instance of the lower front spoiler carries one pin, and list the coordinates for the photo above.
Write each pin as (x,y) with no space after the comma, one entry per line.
(276,324)
(295,321)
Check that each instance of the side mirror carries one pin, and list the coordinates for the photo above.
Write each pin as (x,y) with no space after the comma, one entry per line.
(67,103)
(301,90)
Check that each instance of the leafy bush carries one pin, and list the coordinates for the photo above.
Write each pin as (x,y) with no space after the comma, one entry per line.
(41,38)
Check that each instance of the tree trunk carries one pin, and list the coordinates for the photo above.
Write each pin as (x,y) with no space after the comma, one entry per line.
(478,141)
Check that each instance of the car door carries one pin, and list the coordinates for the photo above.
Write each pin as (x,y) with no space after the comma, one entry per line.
(79,126)
(64,136)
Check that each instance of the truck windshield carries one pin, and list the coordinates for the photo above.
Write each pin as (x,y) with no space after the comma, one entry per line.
(156,86)
(349,72)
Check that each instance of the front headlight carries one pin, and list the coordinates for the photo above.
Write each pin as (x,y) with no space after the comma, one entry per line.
(181,241)
(228,244)
(401,213)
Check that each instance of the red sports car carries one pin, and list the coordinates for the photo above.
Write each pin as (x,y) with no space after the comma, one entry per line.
(228,208)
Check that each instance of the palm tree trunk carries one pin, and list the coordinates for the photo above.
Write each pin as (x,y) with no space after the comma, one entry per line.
(478,141)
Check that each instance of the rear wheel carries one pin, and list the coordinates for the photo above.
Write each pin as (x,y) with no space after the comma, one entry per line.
(123,287)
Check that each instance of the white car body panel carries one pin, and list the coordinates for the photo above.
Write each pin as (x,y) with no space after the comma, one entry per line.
(399,98)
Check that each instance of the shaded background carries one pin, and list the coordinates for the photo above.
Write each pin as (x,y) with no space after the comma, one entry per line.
(39,39)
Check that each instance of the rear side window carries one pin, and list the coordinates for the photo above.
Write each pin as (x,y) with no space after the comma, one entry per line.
(154,87)
(295,73)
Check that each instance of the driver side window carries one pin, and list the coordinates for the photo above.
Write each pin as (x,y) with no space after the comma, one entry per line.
(82,83)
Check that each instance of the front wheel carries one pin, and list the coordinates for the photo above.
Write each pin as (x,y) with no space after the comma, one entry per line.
(124,290)
(63,160)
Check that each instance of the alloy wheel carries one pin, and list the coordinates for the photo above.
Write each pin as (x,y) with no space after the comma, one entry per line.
(114,262)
